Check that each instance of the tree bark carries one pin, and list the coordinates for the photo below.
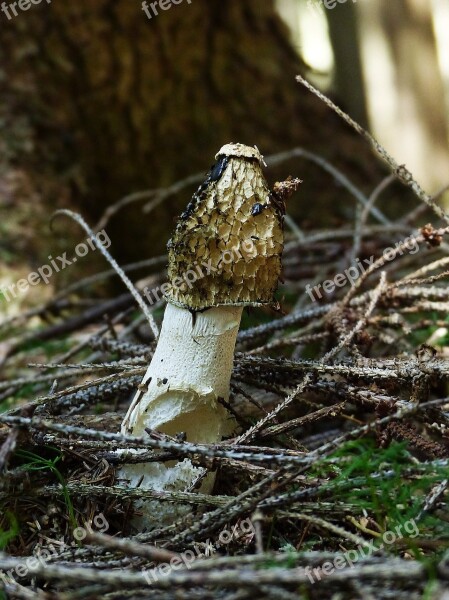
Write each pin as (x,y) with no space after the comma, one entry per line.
(348,77)
(405,86)
(102,101)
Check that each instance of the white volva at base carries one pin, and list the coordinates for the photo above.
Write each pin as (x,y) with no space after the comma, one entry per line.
(191,368)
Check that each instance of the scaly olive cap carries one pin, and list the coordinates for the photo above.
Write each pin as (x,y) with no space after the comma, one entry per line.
(227,245)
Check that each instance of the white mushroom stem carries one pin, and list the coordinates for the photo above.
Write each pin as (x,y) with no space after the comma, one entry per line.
(190,370)
(189,373)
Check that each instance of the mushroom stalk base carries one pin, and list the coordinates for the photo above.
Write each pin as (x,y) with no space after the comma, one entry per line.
(189,373)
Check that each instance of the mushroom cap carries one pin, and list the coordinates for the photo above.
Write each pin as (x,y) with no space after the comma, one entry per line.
(227,245)
(240,151)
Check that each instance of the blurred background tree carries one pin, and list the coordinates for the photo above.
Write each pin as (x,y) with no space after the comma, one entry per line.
(100,102)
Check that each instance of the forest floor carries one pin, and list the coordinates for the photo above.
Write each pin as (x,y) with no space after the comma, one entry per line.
(335,485)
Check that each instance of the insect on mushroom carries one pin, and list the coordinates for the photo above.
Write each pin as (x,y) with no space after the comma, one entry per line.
(222,257)
(257,209)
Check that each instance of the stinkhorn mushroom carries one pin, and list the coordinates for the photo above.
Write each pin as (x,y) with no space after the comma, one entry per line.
(225,254)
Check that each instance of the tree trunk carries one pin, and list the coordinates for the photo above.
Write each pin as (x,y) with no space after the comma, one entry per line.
(102,101)
(349,84)
(405,86)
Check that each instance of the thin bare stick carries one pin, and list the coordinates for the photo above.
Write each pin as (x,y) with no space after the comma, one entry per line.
(135,294)
(299,152)
(401,171)
(365,212)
